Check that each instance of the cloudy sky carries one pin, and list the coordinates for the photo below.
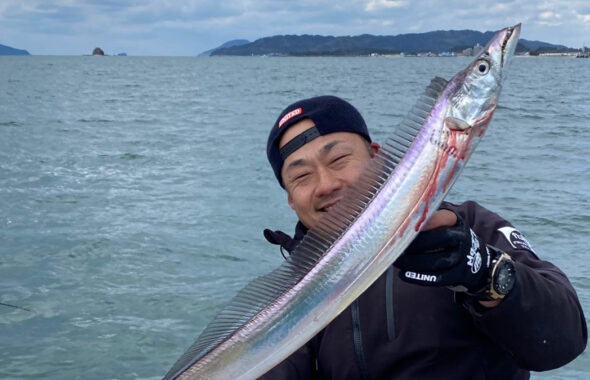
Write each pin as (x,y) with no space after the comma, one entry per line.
(188,27)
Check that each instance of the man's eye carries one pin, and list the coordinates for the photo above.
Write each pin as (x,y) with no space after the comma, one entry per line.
(339,158)
(300,177)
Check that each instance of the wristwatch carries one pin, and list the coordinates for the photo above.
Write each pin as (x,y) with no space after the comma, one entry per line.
(502,276)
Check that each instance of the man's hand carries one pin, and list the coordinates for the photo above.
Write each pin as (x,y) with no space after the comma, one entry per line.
(447,253)
(441,218)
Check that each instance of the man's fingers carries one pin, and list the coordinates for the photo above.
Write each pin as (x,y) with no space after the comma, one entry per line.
(441,218)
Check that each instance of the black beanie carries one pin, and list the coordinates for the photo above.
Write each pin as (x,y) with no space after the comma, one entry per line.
(329,114)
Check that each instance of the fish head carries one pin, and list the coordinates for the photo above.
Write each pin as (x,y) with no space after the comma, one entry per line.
(476,89)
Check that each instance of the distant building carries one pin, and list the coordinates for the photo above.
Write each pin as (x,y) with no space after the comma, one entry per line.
(477,49)
(558,54)
(472,51)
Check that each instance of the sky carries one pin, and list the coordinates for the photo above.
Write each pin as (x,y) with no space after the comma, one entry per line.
(189,27)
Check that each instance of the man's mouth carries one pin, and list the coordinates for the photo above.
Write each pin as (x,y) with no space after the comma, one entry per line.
(326,207)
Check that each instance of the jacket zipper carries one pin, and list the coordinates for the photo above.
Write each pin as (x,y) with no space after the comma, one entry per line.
(389,304)
(358,341)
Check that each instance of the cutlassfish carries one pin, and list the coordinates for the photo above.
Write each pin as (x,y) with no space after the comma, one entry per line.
(363,234)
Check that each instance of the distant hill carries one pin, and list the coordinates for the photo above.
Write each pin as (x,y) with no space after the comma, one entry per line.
(7,50)
(228,44)
(436,42)
(539,45)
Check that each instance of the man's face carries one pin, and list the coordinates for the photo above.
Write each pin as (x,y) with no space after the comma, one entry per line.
(315,174)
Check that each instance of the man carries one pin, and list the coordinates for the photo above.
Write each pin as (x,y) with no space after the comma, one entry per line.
(445,320)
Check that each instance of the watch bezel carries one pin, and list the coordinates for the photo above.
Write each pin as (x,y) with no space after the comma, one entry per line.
(503,263)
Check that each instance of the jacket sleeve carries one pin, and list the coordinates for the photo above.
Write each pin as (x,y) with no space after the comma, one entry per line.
(540,323)
(298,366)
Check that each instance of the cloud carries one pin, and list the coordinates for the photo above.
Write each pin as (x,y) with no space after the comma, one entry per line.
(377,5)
(549,15)
(549,18)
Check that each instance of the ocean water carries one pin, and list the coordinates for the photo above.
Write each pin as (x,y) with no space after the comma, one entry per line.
(134,191)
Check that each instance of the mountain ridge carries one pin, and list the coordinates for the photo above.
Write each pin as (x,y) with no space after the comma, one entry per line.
(438,41)
(227,44)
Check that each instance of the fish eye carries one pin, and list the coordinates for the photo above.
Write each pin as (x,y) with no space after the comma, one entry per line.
(482,67)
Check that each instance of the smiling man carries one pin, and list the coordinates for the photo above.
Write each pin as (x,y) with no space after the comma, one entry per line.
(469,299)
(316,173)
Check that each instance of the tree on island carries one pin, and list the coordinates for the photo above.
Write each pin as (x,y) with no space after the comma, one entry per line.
(97,51)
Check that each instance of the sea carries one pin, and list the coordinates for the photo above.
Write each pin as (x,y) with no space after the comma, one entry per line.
(134,190)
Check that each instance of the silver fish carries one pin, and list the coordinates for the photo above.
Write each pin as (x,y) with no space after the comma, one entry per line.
(363,234)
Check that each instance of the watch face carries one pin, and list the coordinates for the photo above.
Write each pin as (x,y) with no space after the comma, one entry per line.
(504,277)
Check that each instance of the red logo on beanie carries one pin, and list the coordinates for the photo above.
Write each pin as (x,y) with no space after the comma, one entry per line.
(290,115)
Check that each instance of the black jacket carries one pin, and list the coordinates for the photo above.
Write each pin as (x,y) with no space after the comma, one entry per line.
(396,330)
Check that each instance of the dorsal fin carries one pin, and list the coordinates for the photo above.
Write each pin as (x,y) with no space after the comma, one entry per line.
(398,144)
(263,291)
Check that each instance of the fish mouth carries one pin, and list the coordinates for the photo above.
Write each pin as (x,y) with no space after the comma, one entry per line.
(509,42)
(509,32)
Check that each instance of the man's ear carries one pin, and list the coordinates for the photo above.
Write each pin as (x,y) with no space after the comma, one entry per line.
(374,149)
(290,201)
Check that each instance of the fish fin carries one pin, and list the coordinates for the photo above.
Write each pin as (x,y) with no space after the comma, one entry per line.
(438,84)
(405,134)
(456,124)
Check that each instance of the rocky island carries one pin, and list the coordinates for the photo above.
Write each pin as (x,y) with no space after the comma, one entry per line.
(7,50)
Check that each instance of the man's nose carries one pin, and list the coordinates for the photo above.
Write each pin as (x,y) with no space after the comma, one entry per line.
(328,182)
